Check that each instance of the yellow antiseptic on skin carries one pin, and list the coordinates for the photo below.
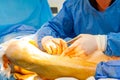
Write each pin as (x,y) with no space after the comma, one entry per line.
(50,67)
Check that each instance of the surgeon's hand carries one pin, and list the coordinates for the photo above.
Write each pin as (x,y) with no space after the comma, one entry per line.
(53,45)
(87,44)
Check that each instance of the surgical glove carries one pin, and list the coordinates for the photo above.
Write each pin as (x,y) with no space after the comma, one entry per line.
(53,45)
(87,44)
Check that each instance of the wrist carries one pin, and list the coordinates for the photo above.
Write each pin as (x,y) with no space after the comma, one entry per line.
(101,42)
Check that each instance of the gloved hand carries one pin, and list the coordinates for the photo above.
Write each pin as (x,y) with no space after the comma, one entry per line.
(87,44)
(53,45)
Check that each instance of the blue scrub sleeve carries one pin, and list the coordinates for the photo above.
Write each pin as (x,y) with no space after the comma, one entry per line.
(113,44)
(110,69)
(61,26)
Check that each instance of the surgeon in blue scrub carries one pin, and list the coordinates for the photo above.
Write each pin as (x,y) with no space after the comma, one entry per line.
(95,22)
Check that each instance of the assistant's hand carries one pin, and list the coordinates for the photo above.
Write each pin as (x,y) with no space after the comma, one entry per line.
(53,45)
(87,44)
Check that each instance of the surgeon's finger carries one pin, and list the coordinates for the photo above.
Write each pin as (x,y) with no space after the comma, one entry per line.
(58,45)
(74,53)
(72,47)
(69,51)
(65,53)
(54,48)
(63,45)
(48,48)
(79,53)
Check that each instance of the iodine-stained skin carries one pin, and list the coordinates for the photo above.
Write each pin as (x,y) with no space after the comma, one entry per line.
(47,66)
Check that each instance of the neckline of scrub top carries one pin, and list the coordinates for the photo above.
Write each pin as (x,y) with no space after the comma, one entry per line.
(88,2)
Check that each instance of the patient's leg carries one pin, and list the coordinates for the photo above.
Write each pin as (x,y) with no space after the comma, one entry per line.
(26,55)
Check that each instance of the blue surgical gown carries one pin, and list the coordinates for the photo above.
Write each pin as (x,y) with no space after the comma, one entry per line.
(109,69)
(22,16)
(80,17)
(29,12)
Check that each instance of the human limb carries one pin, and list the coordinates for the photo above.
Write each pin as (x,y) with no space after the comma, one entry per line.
(53,45)
(53,66)
(61,26)
(86,43)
